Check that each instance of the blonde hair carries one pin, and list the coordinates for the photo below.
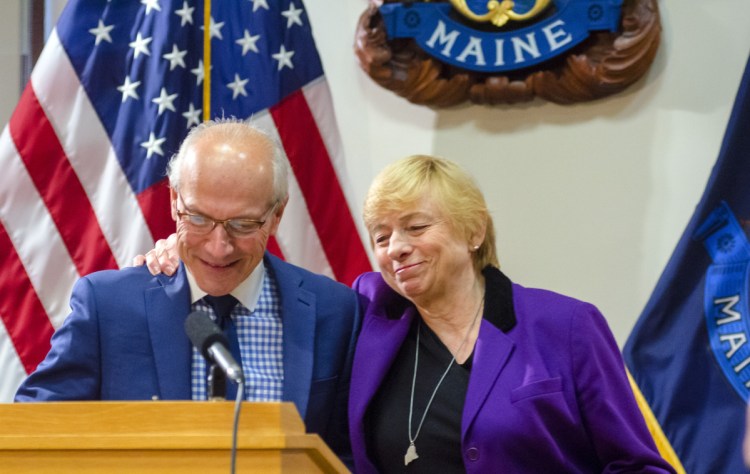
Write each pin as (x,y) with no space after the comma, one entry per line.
(406,181)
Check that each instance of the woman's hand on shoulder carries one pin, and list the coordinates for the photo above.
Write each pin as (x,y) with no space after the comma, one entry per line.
(163,258)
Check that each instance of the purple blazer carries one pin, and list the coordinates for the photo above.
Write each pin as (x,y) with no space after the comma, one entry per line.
(548,392)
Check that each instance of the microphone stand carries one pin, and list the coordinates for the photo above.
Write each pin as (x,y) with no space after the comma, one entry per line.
(217,384)
(217,391)
(212,343)
(237,408)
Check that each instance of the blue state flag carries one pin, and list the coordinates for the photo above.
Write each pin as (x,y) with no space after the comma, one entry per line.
(689,352)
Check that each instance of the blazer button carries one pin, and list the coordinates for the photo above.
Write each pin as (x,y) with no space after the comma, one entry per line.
(472,454)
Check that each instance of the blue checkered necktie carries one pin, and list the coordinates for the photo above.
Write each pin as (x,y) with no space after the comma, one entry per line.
(223,306)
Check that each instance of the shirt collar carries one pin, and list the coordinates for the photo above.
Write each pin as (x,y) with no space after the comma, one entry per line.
(247,292)
(498,299)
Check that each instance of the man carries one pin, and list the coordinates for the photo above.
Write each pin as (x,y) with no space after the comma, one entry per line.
(124,338)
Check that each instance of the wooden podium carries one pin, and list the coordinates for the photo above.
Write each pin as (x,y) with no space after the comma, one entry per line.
(158,437)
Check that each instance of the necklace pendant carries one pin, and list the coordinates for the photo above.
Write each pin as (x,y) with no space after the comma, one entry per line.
(411,454)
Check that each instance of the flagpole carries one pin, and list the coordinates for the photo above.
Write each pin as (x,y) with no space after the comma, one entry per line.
(206,60)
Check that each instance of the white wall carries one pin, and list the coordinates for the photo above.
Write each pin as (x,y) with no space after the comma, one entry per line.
(588,200)
(10,57)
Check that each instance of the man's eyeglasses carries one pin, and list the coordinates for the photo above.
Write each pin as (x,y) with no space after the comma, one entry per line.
(238,228)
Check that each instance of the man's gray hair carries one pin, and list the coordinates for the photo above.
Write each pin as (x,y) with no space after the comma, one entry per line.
(238,129)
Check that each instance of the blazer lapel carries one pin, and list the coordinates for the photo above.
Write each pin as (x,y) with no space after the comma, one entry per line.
(167,307)
(491,353)
(377,346)
(298,315)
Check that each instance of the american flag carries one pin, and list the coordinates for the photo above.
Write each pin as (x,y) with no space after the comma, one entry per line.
(83,158)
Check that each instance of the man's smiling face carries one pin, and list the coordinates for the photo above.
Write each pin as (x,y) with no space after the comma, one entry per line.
(221,180)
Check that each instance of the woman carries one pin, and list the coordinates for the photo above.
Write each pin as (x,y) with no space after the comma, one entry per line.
(459,370)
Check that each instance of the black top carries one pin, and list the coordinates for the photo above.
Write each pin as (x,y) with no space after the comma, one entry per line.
(387,419)
(387,435)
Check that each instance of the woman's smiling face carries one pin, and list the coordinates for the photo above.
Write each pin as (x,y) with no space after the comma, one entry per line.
(418,252)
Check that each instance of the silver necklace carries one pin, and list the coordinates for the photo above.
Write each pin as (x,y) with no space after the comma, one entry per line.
(411,451)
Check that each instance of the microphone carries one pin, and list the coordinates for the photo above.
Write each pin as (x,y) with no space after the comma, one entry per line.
(212,343)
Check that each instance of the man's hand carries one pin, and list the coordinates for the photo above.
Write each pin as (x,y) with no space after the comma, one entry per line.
(163,258)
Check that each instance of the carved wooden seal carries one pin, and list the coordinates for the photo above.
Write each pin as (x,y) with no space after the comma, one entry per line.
(603,64)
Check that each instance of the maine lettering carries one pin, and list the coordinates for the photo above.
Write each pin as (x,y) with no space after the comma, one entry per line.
(473,52)
(731,334)
(438,33)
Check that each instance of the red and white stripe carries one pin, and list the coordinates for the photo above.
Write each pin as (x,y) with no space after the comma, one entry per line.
(65,209)
(318,230)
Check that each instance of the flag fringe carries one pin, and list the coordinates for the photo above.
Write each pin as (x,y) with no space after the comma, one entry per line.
(662,443)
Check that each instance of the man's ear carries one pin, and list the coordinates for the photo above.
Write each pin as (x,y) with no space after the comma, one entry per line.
(173,203)
(277,214)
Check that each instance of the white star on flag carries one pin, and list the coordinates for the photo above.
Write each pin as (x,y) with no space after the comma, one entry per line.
(292,16)
(192,115)
(140,45)
(102,32)
(153,145)
(198,72)
(258,4)
(238,86)
(165,101)
(248,43)
(176,57)
(284,58)
(128,89)
(214,29)
(185,13)
(151,4)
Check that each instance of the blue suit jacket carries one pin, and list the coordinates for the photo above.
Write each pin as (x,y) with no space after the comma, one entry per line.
(125,340)
(547,392)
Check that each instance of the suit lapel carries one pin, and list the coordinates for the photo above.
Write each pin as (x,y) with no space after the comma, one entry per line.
(167,306)
(493,347)
(491,353)
(377,346)
(298,316)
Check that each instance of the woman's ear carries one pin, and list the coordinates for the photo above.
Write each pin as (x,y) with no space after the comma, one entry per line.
(477,237)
